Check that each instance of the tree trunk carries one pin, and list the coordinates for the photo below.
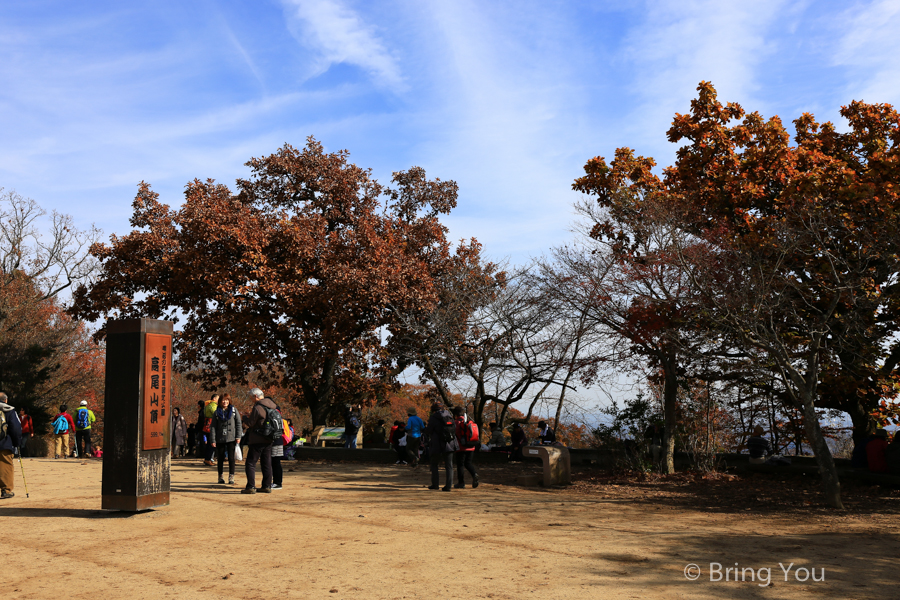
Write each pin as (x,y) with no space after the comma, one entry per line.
(670,404)
(831,484)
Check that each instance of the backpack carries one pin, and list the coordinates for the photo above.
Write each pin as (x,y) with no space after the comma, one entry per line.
(61,425)
(470,435)
(448,429)
(4,425)
(287,435)
(83,420)
(272,426)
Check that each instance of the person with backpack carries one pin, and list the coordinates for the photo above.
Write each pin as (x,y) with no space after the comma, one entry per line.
(10,439)
(415,426)
(441,432)
(84,418)
(467,434)
(225,434)
(62,424)
(263,424)
(278,451)
(351,427)
(209,412)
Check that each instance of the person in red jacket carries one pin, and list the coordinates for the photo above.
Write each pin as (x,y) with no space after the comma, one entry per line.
(875,452)
(27,431)
(61,439)
(467,434)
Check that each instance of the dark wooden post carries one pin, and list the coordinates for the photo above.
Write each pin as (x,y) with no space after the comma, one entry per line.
(137,414)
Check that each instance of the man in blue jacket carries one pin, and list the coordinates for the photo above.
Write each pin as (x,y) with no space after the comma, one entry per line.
(10,439)
(415,427)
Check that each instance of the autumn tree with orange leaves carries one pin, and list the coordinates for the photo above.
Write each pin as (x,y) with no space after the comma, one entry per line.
(291,277)
(793,251)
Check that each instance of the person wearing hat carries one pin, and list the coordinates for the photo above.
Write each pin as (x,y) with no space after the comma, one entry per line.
(875,452)
(84,418)
(758,446)
(415,427)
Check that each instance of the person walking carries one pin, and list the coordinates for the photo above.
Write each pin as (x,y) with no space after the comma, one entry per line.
(199,428)
(226,434)
(399,439)
(84,418)
(351,427)
(10,440)
(259,446)
(179,433)
(415,427)
(62,424)
(27,432)
(467,435)
(441,432)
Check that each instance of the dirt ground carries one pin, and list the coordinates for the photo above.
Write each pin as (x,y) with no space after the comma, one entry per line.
(347,530)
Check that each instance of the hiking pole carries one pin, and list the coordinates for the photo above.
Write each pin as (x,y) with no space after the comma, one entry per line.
(22,466)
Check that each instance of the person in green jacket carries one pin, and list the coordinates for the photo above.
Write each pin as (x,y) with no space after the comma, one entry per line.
(84,418)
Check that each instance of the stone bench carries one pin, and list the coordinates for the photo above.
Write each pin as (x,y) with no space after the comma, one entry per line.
(556,462)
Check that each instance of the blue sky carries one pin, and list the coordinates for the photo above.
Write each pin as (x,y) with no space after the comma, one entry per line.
(510,99)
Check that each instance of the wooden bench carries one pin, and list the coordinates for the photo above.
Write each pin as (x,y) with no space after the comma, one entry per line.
(556,461)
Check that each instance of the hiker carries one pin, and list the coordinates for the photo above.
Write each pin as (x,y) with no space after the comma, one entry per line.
(179,433)
(351,427)
(545,434)
(518,441)
(467,434)
(84,418)
(225,434)
(62,424)
(441,431)
(758,446)
(27,432)
(191,439)
(199,427)
(875,452)
(209,412)
(653,436)
(399,441)
(415,426)
(259,446)
(498,440)
(277,455)
(10,440)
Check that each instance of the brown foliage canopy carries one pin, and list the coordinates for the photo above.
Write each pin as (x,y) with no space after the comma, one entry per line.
(299,269)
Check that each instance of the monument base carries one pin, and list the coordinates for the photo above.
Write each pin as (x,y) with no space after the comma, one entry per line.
(134,503)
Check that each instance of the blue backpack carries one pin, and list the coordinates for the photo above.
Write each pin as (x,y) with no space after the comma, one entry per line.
(83,420)
(61,424)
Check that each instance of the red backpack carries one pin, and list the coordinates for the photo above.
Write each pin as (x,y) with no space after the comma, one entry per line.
(470,435)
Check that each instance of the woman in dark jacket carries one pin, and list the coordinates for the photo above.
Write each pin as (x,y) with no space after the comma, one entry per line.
(226,434)
(441,426)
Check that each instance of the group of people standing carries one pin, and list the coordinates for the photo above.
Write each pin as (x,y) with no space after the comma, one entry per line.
(221,431)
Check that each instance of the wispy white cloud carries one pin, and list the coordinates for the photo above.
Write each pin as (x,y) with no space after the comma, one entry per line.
(684,42)
(870,46)
(339,35)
